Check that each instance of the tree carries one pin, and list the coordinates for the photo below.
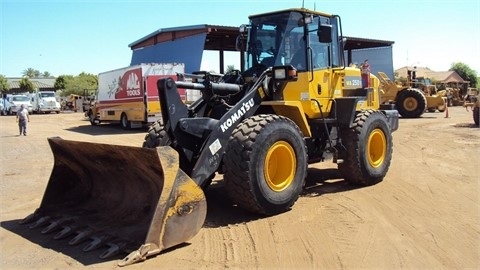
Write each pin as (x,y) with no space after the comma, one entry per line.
(76,84)
(465,72)
(26,85)
(46,74)
(230,68)
(61,82)
(31,73)
(4,86)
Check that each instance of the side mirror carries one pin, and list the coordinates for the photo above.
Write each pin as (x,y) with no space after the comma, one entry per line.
(324,33)
(240,43)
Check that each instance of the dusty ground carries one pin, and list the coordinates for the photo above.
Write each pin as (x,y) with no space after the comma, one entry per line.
(424,215)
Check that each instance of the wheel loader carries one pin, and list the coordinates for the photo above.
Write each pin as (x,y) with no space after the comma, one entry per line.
(411,100)
(295,103)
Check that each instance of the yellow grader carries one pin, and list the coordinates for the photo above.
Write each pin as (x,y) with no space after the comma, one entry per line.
(294,104)
(410,101)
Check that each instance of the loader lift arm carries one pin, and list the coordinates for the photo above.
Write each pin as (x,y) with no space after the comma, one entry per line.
(199,133)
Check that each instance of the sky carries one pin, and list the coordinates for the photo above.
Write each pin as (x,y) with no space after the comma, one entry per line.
(73,36)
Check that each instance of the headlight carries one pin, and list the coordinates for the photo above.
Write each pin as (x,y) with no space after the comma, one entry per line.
(284,73)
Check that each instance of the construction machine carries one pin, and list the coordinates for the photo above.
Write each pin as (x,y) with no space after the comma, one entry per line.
(413,99)
(259,128)
(474,104)
(71,103)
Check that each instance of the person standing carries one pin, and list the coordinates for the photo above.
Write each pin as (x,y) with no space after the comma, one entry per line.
(365,70)
(22,119)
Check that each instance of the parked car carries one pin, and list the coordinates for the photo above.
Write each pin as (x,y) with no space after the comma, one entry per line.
(15,101)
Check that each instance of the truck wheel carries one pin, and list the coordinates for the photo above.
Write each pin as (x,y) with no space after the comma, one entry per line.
(411,103)
(91,118)
(369,148)
(476,115)
(124,122)
(265,164)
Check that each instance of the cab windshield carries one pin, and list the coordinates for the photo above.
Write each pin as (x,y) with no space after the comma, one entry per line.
(44,95)
(20,98)
(291,38)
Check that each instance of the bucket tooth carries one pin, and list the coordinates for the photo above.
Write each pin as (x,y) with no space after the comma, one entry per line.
(66,231)
(81,236)
(114,249)
(30,218)
(56,224)
(96,242)
(40,222)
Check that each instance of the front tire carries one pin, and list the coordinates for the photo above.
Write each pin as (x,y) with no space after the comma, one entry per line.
(369,148)
(156,136)
(265,164)
(411,103)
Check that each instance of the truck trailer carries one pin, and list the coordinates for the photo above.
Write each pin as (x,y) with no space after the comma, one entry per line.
(129,95)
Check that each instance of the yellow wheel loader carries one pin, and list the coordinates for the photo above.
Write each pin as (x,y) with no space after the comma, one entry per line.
(294,104)
(410,101)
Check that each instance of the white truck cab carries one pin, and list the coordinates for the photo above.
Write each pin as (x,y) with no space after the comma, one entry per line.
(16,101)
(45,101)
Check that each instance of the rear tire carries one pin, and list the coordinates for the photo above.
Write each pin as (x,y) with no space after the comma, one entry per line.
(265,164)
(476,115)
(411,103)
(124,122)
(369,148)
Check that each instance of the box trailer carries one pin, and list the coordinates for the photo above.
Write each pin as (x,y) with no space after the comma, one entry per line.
(129,95)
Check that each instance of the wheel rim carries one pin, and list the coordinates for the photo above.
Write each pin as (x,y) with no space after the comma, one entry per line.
(376,148)
(410,104)
(280,165)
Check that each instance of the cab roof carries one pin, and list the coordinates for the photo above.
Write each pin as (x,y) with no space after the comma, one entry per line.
(301,10)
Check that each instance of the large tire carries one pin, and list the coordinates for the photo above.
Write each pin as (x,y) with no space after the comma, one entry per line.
(411,103)
(265,164)
(156,136)
(476,115)
(369,148)
(124,122)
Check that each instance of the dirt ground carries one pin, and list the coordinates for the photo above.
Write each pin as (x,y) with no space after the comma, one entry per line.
(424,215)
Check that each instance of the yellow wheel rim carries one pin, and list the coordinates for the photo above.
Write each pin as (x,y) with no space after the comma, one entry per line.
(410,104)
(279,167)
(376,148)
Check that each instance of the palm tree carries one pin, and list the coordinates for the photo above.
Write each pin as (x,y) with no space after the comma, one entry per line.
(31,73)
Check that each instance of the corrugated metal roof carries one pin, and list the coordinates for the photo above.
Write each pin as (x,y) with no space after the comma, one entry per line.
(37,82)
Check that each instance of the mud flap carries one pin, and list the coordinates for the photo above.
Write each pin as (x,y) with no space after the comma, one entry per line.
(129,199)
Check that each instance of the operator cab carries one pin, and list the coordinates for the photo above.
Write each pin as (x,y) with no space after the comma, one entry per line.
(301,38)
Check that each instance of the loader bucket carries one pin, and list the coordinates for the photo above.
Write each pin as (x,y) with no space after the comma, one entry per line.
(127,199)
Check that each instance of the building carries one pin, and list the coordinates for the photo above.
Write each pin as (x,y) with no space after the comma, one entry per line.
(42,84)
(186,44)
(441,77)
